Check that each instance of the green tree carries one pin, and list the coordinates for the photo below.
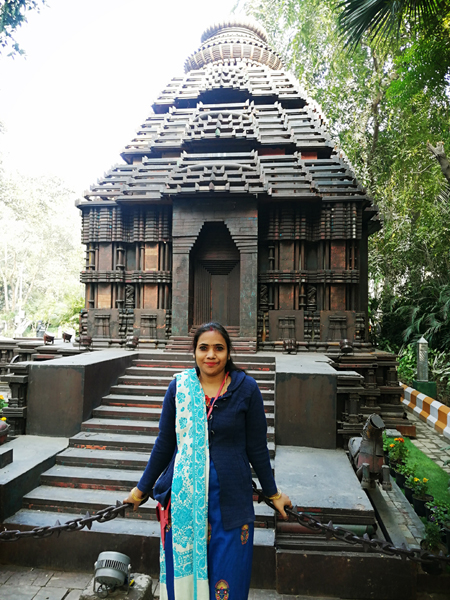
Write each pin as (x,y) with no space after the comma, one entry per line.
(389,107)
(13,14)
(40,250)
(382,20)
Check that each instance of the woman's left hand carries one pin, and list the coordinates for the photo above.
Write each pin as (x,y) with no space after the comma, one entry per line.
(280,503)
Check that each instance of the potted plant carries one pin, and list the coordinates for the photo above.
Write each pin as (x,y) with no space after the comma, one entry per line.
(443,518)
(4,430)
(409,483)
(437,512)
(420,495)
(402,471)
(432,543)
(397,452)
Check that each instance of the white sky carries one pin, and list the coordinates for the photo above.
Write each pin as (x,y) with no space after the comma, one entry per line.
(92,71)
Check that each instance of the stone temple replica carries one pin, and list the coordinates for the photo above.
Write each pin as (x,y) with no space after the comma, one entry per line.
(232,204)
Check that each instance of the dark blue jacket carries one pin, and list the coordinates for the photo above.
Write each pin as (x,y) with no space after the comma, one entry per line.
(237,435)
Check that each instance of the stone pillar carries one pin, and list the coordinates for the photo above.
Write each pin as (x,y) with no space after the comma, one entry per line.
(249,300)
(180,291)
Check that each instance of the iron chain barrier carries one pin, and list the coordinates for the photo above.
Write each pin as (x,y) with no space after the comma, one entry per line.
(106,514)
(306,520)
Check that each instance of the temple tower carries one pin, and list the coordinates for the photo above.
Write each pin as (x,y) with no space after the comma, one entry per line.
(232,204)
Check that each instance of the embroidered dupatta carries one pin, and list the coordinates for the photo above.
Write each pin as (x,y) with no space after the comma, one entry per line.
(189,498)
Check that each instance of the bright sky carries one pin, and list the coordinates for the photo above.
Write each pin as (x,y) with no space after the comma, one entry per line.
(93,68)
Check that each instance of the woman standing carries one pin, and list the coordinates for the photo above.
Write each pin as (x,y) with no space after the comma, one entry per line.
(200,474)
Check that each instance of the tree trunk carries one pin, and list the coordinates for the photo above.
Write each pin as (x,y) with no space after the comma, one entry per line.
(439,153)
(5,291)
(375,113)
(5,281)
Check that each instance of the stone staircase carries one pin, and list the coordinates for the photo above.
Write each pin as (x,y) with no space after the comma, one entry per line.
(240,344)
(106,458)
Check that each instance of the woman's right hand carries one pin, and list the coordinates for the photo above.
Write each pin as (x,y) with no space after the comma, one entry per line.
(280,504)
(135,498)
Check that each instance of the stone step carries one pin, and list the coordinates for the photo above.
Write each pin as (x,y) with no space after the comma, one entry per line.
(158,380)
(133,400)
(30,517)
(125,426)
(127,460)
(160,371)
(160,390)
(137,427)
(127,526)
(62,498)
(102,440)
(85,457)
(127,412)
(155,401)
(84,477)
(181,359)
(141,413)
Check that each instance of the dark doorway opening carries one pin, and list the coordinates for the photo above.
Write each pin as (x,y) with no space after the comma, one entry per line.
(216,265)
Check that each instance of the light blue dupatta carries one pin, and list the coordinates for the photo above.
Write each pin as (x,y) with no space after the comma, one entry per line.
(189,499)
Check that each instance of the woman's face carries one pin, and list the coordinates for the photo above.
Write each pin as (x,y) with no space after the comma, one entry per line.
(211,354)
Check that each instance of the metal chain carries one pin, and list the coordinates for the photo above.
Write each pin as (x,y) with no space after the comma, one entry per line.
(106,514)
(344,535)
(308,521)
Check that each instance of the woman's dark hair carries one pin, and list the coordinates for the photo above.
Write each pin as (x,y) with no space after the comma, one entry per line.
(213,326)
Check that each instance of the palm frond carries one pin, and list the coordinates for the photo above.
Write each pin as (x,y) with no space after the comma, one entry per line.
(382,19)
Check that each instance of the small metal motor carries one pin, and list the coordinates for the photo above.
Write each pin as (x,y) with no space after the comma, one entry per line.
(112,569)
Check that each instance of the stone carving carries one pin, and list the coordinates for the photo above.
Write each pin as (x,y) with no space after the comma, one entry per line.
(129,296)
(312,297)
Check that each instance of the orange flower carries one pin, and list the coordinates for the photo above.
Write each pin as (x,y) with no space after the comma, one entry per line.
(400,439)
(391,445)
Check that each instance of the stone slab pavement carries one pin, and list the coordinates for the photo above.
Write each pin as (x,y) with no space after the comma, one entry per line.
(27,583)
(431,442)
(256,594)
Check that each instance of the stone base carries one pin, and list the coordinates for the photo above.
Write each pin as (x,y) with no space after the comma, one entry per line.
(426,387)
(142,589)
(352,575)
(6,456)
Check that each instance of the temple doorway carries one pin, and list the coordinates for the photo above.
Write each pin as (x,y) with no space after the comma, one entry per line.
(216,273)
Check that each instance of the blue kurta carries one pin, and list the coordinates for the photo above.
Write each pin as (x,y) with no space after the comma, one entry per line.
(230,552)
(237,437)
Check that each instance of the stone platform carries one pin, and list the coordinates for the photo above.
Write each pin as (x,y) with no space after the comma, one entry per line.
(322,481)
(32,455)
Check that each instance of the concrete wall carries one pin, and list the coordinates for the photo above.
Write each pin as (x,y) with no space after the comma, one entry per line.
(63,392)
(306,409)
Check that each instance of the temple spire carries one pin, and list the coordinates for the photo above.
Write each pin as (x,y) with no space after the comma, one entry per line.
(237,41)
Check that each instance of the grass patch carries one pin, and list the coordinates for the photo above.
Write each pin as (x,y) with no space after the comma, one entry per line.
(425,467)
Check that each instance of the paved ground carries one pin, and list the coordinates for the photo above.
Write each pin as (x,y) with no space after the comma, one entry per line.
(431,442)
(24,583)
